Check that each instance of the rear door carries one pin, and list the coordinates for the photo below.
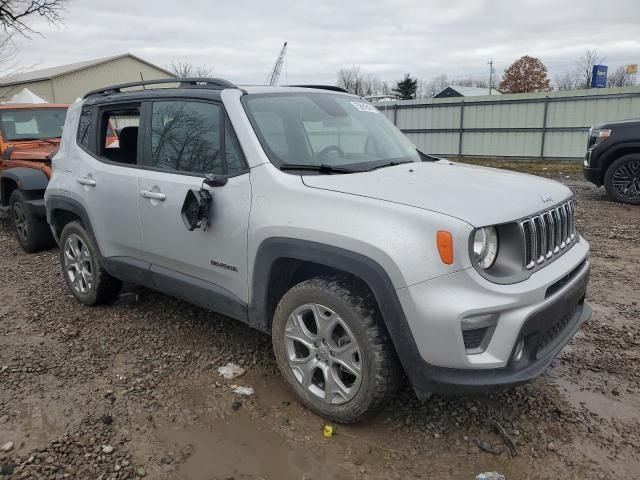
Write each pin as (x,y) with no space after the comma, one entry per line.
(186,140)
(105,179)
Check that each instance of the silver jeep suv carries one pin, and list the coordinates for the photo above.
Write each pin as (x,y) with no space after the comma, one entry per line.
(306,214)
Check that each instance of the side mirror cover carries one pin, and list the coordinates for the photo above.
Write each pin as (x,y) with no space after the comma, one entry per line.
(215,180)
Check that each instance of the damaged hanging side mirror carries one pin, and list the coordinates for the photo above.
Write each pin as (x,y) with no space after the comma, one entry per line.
(195,209)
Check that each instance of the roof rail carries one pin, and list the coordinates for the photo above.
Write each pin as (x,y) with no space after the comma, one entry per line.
(332,88)
(210,83)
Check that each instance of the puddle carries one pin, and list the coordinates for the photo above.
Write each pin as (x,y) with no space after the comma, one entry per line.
(598,403)
(241,448)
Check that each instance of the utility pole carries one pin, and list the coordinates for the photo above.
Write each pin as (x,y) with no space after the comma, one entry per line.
(490,63)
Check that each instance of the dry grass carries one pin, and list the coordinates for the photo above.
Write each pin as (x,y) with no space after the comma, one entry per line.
(539,167)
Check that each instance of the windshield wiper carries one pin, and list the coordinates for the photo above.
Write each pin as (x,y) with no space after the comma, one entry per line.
(322,168)
(391,164)
(36,139)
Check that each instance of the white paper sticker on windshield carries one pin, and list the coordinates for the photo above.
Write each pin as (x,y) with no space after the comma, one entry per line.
(365,107)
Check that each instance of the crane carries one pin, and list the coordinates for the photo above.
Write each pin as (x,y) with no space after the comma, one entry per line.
(277,68)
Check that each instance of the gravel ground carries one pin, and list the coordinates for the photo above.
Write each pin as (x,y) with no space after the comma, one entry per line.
(131,390)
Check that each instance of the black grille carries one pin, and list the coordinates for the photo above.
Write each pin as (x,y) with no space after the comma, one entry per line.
(473,338)
(549,335)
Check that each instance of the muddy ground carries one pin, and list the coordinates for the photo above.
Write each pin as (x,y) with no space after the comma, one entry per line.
(131,390)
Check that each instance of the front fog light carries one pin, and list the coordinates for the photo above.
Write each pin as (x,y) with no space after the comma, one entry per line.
(485,247)
(477,332)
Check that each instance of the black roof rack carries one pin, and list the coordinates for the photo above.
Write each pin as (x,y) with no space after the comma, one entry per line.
(333,88)
(209,83)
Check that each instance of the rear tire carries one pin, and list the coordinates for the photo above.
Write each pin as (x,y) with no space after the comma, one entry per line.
(622,180)
(88,281)
(33,233)
(333,350)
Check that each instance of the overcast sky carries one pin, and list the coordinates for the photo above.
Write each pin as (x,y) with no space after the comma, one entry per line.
(241,39)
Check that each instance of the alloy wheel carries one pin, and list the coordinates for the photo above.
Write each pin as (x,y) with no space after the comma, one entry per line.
(626,180)
(20,221)
(78,265)
(323,353)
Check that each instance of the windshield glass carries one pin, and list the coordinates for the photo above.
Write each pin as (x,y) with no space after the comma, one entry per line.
(326,129)
(32,124)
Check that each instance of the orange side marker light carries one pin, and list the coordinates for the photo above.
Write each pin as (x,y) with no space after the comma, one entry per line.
(445,246)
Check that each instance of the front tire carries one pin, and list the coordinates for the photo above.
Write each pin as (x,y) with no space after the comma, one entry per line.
(333,350)
(622,180)
(33,233)
(88,281)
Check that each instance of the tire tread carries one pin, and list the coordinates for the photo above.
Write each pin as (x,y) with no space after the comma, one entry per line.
(107,287)
(389,376)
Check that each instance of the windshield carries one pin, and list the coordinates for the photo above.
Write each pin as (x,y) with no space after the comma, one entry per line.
(32,124)
(306,129)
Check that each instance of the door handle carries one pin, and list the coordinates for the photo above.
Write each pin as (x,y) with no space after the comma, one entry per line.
(89,182)
(153,195)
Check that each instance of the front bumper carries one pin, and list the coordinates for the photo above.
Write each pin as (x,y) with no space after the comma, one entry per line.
(593,175)
(543,312)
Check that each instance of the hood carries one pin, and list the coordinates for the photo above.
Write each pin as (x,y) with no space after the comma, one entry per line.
(633,123)
(478,195)
(38,151)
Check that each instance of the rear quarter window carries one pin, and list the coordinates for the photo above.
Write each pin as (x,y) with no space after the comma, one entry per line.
(84,127)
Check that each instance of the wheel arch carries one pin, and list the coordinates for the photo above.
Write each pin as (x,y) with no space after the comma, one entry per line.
(62,210)
(23,178)
(282,262)
(615,152)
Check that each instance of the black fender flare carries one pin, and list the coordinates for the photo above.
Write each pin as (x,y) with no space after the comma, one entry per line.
(614,151)
(54,203)
(361,266)
(26,179)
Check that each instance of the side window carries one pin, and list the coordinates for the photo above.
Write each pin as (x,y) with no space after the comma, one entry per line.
(118,140)
(84,126)
(185,136)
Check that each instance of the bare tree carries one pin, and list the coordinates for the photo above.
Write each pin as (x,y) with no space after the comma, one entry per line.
(584,67)
(184,69)
(432,87)
(619,78)
(568,81)
(352,80)
(471,82)
(14,14)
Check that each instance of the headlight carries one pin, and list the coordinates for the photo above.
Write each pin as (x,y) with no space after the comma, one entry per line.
(599,135)
(485,247)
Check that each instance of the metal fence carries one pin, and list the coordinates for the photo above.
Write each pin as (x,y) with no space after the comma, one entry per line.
(549,125)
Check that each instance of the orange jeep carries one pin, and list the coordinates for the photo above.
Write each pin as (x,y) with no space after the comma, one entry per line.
(29,137)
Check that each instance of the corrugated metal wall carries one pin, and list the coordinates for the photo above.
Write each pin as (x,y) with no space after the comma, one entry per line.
(40,88)
(66,88)
(542,125)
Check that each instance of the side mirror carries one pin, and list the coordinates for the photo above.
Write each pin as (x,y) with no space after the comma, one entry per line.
(215,180)
(195,209)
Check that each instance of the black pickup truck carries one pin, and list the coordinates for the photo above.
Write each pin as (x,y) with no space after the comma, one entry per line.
(613,160)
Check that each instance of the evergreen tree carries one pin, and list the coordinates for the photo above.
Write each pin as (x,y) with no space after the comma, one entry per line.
(406,88)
